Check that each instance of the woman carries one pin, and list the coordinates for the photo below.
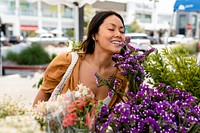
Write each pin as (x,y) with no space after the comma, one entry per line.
(105,32)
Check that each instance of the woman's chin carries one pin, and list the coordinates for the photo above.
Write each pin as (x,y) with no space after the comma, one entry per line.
(116,48)
(117,51)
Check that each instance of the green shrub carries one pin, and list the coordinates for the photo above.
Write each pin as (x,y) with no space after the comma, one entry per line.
(11,56)
(38,84)
(191,47)
(35,54)
(174,67)
(76,47)
(52,56)
(37,43)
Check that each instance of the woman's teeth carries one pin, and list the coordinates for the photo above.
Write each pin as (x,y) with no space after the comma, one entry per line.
(115,42)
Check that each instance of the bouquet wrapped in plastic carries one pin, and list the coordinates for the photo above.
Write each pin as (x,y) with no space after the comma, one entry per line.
(73,111)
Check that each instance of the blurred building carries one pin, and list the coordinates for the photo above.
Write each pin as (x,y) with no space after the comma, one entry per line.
(188,23)
(30,17)
(151,16)
(20,17)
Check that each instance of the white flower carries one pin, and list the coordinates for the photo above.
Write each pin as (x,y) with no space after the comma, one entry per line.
(19,124)
(77,94)
(82,91)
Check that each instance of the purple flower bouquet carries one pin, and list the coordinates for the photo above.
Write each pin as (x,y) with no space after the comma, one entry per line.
(151,110)
(146,109)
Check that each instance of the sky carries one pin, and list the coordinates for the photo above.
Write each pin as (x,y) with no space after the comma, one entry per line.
(164,6)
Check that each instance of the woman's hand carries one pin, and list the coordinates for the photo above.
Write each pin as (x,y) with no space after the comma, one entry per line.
(41,96)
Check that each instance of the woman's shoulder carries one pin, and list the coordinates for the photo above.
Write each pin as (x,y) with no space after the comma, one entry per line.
(65,58)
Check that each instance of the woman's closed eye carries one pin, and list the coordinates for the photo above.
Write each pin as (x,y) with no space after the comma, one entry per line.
(111,29)
(122,32)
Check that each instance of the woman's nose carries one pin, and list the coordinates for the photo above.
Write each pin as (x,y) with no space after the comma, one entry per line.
(117,33)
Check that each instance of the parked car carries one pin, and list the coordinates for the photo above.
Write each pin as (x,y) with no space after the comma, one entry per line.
(176,39)
(139,40)
(48,38)
(153,40)
(186,40)
(4,39)
(15,39)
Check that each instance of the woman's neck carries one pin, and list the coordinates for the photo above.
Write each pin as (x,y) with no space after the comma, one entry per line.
(100,61)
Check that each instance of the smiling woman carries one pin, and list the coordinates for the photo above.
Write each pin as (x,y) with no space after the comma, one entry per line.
(68,70)
(105,33)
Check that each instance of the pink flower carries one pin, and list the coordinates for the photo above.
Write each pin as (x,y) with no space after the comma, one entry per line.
(71,108)
(95,102)
(69,119)
(79,104)
(90,119)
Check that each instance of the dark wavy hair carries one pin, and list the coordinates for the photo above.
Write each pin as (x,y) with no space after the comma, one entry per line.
(88,44)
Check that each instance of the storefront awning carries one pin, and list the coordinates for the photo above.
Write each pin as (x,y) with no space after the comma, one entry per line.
(28,28)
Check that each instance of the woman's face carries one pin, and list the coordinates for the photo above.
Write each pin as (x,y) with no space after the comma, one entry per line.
(110,34)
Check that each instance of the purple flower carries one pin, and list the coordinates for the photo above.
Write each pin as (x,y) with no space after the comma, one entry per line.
(132,48)
(110,93)
(121,44)
(127,53)
(116,83)
(152,110)
(117,56)
(151,122)
(126,66)
(104,110)
(123,72)
(160,109)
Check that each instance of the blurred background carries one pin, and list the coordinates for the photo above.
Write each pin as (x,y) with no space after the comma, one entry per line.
(21,19)
(64,23)
(33,32)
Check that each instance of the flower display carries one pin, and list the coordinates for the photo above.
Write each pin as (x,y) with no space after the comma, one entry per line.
(151,110)
(16,118)
(72,111)
(25,123)
(146,109)
(143,109)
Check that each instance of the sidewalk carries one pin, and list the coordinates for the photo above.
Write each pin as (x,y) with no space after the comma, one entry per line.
(16,86)
(50,49)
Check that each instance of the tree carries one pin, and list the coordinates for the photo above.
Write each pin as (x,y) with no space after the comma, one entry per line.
(135,27)
(88,14)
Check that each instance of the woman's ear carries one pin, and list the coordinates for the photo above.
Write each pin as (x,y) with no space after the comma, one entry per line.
(93,37)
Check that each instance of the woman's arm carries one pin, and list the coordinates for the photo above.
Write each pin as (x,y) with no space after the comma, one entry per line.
(52,76)
(41,96)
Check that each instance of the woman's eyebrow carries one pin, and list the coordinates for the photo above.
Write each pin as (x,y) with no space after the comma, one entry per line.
(114,25)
